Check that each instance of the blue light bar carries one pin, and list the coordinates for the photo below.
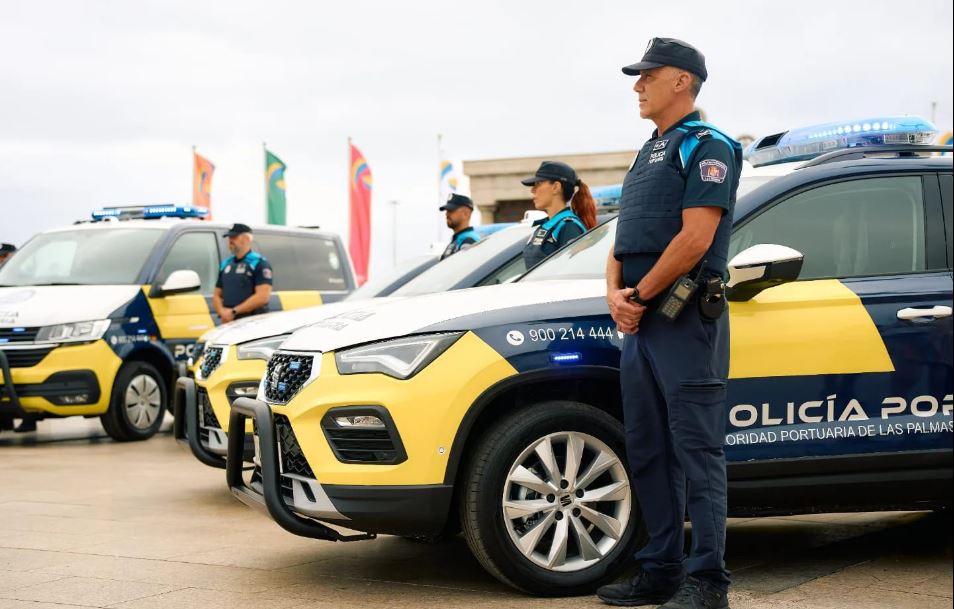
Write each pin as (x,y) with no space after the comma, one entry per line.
(149,212)
(809,142)
(100,214)
(607,195)
(565,358)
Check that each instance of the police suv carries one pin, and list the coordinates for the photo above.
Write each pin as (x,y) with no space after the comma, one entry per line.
(497,409)
(96,318)
(233,359)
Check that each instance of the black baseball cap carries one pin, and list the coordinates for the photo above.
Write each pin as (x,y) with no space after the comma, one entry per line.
(7,248)
(456,201)
(552,171)
(670,52)
(238,229)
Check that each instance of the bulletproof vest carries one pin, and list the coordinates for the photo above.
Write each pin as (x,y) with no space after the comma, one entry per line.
(458,242)
(545,238)
(651,202)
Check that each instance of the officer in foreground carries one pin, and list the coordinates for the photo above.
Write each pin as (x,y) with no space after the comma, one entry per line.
(245,278)
(665,291)
(457,212)
(6,250)
(553,186)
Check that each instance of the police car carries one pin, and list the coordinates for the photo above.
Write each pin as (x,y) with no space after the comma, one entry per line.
(96,318)
(233,359)
(497,409)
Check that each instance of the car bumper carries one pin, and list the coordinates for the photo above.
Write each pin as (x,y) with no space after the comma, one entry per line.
(38,383)
(195,425)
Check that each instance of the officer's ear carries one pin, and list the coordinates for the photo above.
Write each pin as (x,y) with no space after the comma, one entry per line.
(683,82)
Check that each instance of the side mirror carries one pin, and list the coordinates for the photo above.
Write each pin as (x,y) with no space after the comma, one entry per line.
(761,267)
(178,282)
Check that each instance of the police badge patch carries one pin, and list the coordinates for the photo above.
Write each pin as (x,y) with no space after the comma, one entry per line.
(712,170)
(267,273)
(660,145)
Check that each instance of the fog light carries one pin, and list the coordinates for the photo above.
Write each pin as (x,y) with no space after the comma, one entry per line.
(76,398)
(244,392)
(364,421)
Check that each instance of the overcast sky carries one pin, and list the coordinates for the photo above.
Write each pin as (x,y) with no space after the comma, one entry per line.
(101,102)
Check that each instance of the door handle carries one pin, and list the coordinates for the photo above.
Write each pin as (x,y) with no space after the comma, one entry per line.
(935,312)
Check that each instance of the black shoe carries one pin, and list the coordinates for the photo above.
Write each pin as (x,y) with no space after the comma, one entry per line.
(695,593)
(26,426)
(643,589)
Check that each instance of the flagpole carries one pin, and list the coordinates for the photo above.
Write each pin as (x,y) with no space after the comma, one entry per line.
(265,155)
(440,153)
(193,174)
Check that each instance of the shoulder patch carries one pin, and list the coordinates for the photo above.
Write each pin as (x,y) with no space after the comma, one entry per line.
(267,273)
(712,170)
(704,134)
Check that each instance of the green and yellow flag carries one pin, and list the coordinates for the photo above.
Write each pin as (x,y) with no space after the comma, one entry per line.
(275,188)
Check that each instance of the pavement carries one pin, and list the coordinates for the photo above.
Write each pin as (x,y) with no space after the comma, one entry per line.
(88,522)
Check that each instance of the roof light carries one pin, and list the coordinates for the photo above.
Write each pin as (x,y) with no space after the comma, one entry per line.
(607,195)
(149,212)
(808,142)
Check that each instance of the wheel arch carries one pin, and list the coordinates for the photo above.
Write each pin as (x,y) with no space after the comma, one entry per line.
(161,359)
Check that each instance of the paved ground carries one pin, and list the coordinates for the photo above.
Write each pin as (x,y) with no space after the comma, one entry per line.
(88,522)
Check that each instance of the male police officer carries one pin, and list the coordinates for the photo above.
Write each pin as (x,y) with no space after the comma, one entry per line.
(6,250)
(245,278)
(457,212)
(671,244)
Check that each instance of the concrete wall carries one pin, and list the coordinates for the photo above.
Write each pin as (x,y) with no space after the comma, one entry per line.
(497,192)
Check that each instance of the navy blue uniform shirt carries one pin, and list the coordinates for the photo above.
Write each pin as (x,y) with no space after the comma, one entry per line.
(691,164)
(238,278)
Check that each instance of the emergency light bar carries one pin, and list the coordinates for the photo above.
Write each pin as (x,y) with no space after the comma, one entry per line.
(809,142)
(607,195)
(149,212)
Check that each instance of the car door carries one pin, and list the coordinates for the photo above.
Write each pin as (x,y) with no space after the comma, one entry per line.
(308,270)
(854,358)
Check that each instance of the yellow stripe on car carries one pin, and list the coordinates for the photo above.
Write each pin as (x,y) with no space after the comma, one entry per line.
(233,370)
(804,328)
(180,315)
(299,299)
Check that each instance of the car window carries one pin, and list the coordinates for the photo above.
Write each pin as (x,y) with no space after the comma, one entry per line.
(382,284)
(584,258)
(514,268)
(448,272)
(870,226)
(302,262)
(195,251)
(82,257)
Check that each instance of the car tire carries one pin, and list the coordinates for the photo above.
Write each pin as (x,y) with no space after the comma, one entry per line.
(497,512)
(138,403)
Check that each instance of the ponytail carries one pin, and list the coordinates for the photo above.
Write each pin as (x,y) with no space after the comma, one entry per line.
(583,204)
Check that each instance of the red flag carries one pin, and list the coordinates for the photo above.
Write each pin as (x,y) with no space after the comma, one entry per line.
(359,245)
(202,170)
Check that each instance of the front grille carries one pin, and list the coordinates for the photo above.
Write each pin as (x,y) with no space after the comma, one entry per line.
(24,358)
(293,461)
(363,445)
(205,408)
(287,374)
(211,361)
(18,335)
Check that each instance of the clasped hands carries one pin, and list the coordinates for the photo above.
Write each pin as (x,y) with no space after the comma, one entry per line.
(626,313)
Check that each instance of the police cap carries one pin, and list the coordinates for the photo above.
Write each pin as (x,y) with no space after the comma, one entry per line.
(670,52)
(552,171)
(456,201)
(238,229)
(7,248)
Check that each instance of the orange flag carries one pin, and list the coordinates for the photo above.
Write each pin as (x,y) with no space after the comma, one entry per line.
(202,182)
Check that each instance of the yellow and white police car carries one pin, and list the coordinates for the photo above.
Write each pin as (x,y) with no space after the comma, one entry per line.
(497,409)
(96,318)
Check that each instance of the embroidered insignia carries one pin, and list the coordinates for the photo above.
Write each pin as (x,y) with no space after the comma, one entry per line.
(712,170)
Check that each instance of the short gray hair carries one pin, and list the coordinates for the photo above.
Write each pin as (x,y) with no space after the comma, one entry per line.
(695,86)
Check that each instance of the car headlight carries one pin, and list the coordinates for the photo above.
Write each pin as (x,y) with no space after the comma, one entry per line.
(261,349)
(83,331)
(401,358)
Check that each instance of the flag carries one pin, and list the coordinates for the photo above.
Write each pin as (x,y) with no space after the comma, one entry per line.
(450,181)
(275,188)
(202,169)
(359,245)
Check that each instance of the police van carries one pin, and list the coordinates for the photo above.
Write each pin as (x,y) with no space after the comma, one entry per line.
(233,359)
(97,318)
(497,410)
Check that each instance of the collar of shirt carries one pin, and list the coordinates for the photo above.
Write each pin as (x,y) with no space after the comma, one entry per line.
(692,116)
(461,232)
(563,212)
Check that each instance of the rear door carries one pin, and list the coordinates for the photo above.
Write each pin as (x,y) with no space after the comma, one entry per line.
(307,269)
(854,359)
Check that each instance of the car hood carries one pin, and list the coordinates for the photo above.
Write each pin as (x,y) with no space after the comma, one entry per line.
(282,322)
(419,314)
(61,304)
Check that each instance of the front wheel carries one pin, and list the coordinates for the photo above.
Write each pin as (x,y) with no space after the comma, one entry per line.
(547,505)
(138,403)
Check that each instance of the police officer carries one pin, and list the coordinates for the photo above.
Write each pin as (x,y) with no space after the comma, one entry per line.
(245,278)
(457,212)
(6,250)
(674,222)
(553,186)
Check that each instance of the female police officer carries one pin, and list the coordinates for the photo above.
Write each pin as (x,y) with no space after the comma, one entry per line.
(552,187)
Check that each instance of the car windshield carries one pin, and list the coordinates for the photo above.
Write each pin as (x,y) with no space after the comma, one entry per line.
(585,258)
(111,256)
(373,287)
(447,273)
